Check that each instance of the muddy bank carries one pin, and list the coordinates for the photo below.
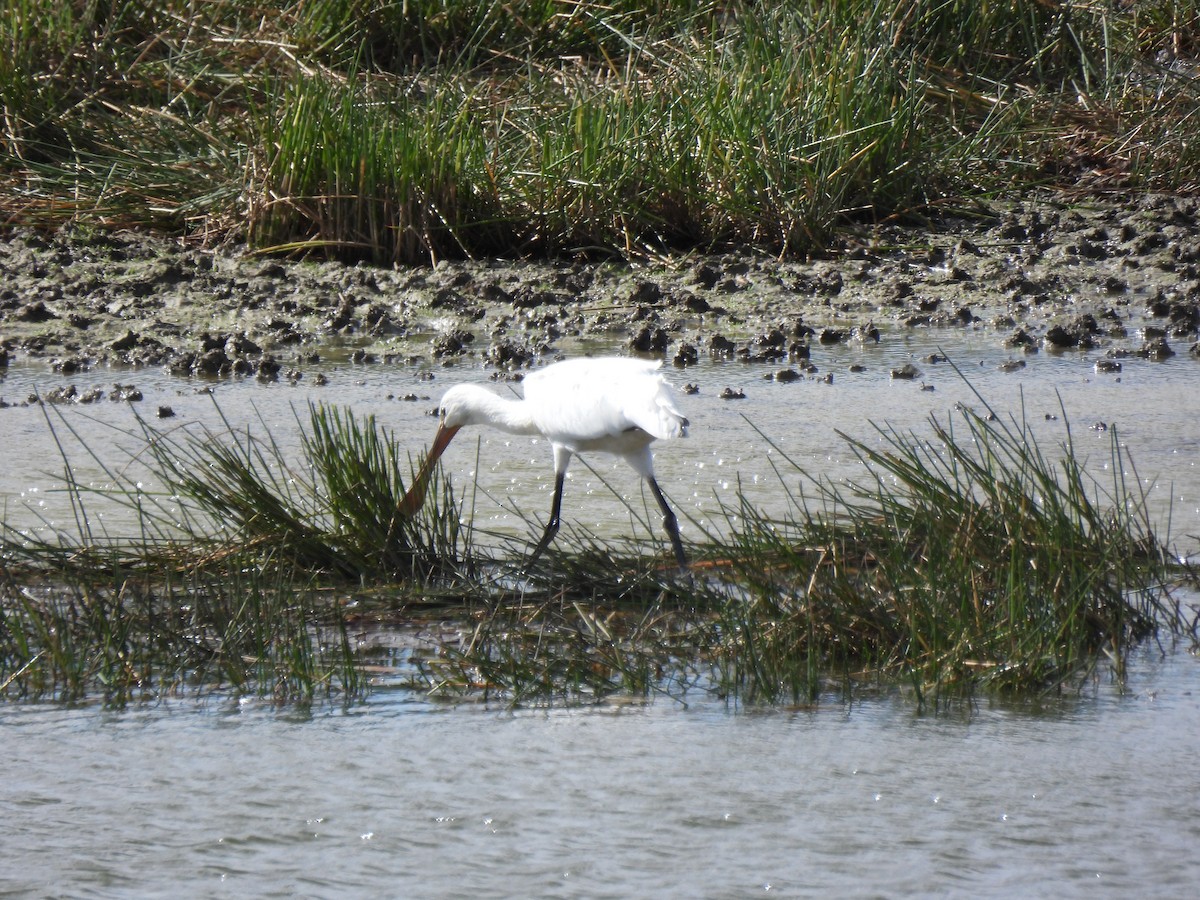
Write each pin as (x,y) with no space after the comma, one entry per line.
(1100,280)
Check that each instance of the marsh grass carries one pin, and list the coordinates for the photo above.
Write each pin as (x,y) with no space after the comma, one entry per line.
(235,495)
(334,512)
(147,638)
(964,559)
(409,132)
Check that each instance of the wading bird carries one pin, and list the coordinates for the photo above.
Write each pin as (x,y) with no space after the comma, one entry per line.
(611,405)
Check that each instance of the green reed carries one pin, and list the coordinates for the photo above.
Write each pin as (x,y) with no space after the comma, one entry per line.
(333,511)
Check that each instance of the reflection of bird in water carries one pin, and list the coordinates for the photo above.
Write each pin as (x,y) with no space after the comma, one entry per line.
(610,404)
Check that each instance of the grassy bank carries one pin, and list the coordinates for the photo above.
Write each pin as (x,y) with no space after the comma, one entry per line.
(405,132)
(965,559)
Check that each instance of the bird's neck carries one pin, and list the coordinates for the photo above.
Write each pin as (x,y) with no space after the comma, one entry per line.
(513,416)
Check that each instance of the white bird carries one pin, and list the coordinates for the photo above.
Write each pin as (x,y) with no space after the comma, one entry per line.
(612,405)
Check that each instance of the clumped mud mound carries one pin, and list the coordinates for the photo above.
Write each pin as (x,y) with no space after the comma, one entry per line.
(1114,278)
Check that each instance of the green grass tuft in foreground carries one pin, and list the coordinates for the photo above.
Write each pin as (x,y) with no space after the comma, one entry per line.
(966,559)
(237,576)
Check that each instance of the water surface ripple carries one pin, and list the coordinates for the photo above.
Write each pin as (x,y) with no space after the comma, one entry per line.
(1094,796)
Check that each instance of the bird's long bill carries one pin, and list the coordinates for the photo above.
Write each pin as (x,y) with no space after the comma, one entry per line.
(415,498)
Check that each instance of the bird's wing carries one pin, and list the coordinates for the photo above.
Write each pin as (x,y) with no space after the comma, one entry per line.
(588,400)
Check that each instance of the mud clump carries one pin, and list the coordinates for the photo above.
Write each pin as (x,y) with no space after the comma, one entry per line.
(1080,333)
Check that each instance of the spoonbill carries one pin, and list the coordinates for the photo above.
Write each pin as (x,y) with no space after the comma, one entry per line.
(610,404)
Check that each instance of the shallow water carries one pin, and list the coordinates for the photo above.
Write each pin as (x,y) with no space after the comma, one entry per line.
(400,796)
(1095,796)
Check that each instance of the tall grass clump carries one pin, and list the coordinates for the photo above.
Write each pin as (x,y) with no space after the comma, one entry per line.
(236,497)
(334,512)
(236,570)
(967,559)
(121,115)
(807,124)
(369,172)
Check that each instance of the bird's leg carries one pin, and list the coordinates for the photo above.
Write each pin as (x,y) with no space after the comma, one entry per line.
(670,523)
(552,525)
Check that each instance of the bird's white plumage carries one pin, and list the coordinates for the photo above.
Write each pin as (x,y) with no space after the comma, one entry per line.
(584,403)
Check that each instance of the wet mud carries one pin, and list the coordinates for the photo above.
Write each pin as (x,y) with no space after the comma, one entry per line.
(1103,280)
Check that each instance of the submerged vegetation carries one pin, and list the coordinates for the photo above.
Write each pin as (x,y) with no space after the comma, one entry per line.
(413,131)
(964,560)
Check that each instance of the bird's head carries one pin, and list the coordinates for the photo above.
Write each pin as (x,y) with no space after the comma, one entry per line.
(463,404)
(459,406)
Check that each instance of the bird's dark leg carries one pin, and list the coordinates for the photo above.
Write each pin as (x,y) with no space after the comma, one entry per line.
(552,525)
(670,523)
